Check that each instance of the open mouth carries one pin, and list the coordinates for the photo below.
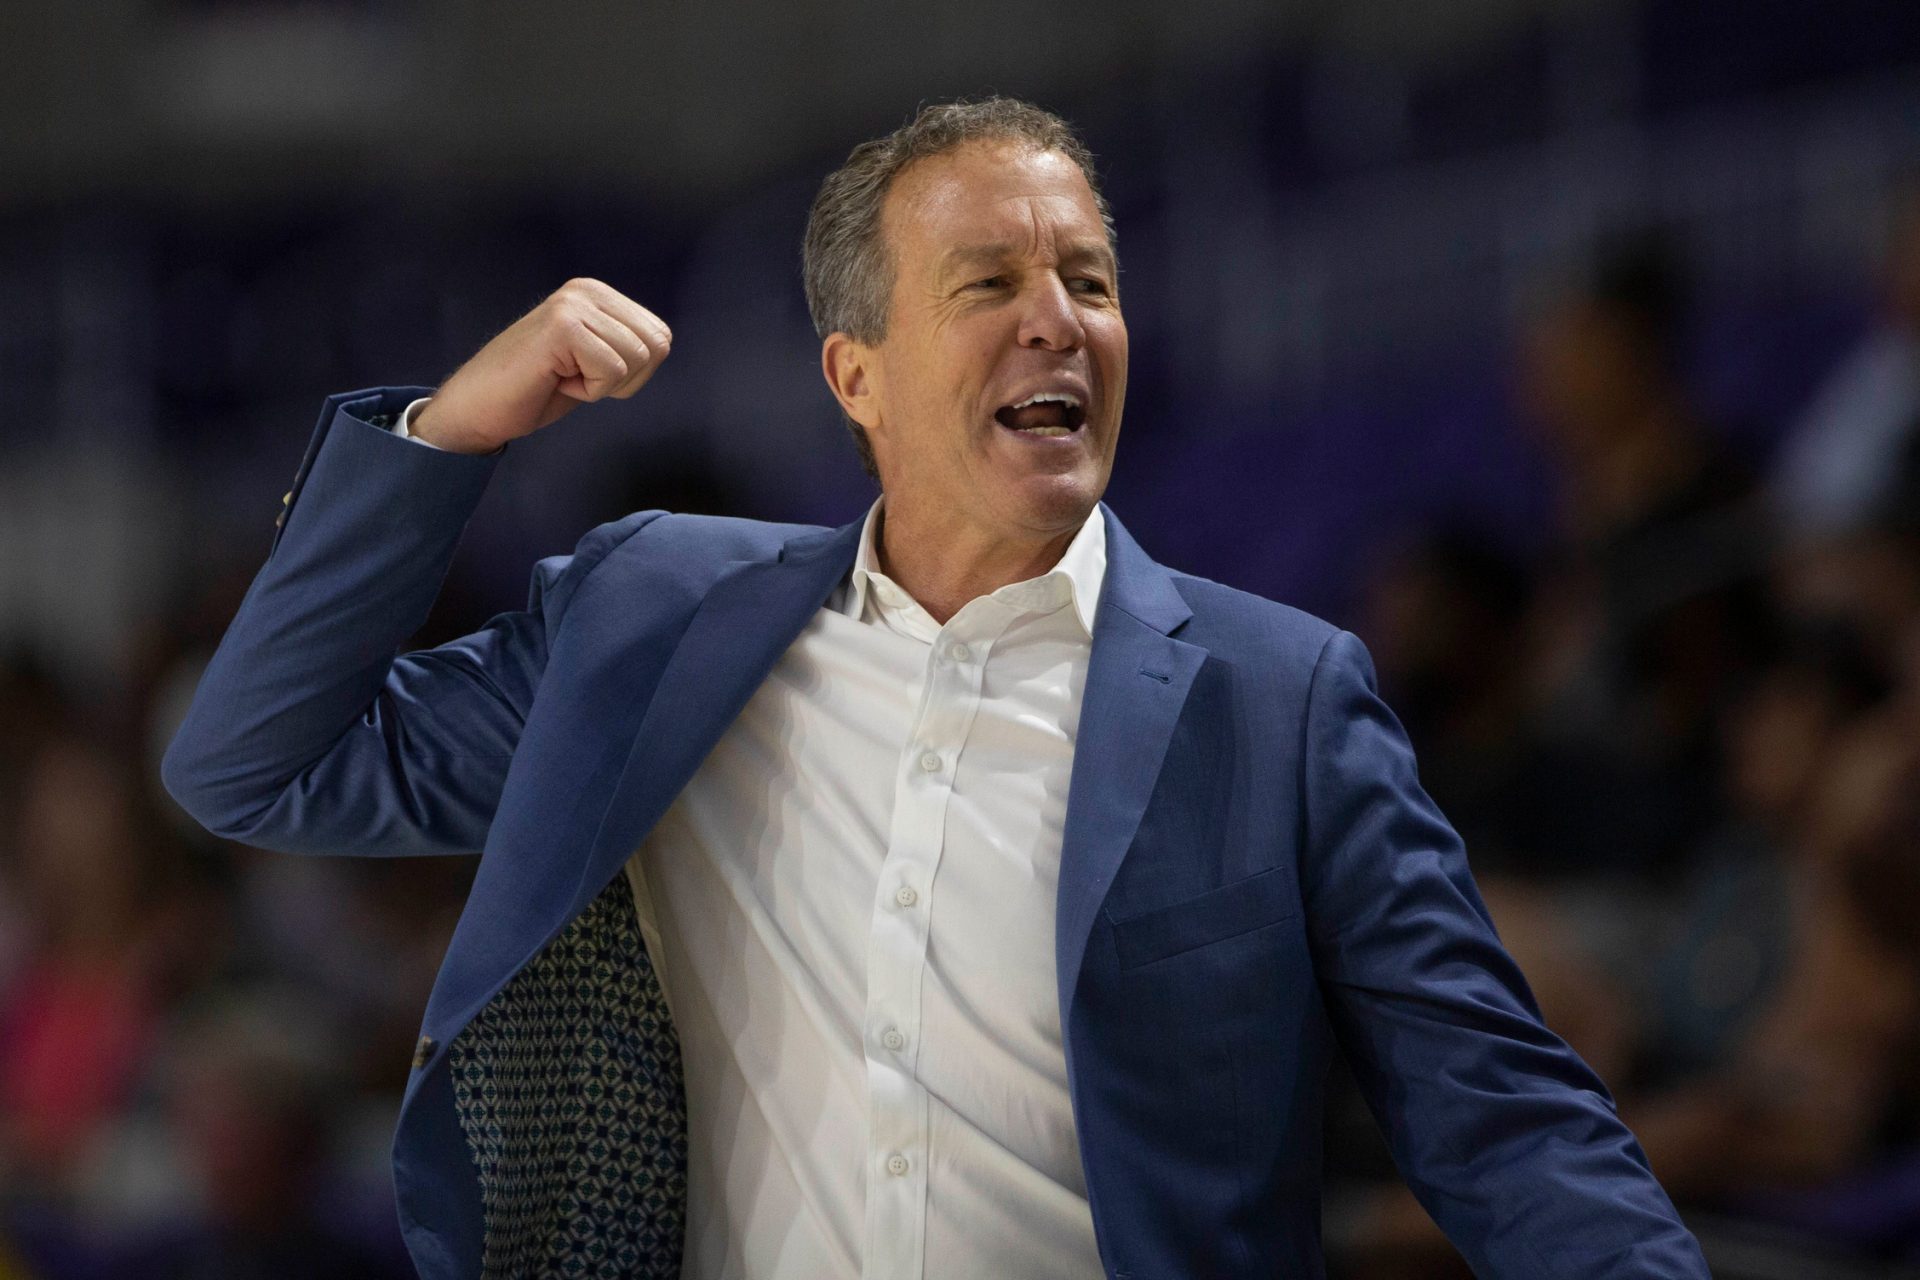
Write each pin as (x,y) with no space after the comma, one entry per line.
(1049,413)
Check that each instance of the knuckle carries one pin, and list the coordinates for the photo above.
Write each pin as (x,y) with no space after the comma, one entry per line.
(576,293)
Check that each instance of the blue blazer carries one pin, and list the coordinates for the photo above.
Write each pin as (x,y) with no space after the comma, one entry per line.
(1251,876)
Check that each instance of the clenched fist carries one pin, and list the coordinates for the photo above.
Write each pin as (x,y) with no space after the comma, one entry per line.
(585,342)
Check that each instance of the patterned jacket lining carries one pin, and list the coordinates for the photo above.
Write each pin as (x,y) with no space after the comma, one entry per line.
(568,1089)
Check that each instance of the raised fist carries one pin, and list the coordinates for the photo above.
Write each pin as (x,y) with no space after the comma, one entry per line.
(586,341)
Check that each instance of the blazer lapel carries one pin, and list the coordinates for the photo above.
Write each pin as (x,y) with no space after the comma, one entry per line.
(1138,677)
(1137,681)
(747,620)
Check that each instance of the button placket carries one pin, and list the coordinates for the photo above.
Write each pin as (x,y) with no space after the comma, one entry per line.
(896,960)
(897,947)
(898,1104)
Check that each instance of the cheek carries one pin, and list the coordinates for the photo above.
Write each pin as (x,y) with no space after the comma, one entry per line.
(962,378)
(946,368)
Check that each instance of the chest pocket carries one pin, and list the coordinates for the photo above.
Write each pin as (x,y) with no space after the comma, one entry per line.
(1226,912)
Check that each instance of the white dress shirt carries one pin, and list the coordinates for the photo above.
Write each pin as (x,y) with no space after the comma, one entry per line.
(851,909)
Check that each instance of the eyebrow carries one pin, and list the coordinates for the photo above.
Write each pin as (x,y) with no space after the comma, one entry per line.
(1000,250)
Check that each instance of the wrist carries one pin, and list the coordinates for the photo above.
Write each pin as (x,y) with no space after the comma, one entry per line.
(430,428)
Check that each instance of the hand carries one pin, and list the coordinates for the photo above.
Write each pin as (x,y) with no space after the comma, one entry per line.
(585,342)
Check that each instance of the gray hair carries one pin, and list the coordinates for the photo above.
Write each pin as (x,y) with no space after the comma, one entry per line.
(845,259)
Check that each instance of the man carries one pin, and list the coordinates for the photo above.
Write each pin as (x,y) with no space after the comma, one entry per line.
(1008,890)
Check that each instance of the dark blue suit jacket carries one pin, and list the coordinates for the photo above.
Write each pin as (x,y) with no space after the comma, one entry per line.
(1251,878)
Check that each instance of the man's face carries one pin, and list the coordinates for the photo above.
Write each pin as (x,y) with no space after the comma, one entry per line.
(996,394)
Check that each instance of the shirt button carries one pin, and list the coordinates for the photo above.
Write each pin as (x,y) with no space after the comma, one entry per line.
(960,652)
(905,895)
(897,1165)
(893,1040)
(930,763)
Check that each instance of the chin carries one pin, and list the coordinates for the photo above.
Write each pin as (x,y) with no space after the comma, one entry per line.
(1056,501)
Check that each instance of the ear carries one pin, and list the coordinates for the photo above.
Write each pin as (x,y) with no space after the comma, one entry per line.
(851,368)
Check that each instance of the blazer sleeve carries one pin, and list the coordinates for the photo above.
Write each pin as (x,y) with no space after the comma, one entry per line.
(1506,1137)
(309,732)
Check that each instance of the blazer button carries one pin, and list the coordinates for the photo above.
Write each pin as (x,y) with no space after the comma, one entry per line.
(422,1052)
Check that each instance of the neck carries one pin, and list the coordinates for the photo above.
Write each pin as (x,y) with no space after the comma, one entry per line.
(944,564)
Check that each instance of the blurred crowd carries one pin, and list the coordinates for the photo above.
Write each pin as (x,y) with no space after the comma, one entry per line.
(202,1046)
(1681,743)
(1683,749)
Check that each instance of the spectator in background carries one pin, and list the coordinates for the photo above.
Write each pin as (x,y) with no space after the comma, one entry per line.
(1843,462)
(1775,1010)
(251,1104)
(1646,600)
(109,936)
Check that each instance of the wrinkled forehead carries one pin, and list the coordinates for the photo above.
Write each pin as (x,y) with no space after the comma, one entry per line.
(1008,197)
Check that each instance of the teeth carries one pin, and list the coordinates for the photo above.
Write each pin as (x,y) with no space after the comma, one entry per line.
(1050,397)
(1046,431)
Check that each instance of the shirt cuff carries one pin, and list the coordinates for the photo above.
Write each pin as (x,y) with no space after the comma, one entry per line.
(402,426)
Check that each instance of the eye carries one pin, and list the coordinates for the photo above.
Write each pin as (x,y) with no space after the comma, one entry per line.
(990,282)
(1089,284)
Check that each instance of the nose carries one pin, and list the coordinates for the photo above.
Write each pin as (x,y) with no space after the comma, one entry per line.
(1048,318)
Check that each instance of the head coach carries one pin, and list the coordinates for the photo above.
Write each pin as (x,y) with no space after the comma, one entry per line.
(956,893)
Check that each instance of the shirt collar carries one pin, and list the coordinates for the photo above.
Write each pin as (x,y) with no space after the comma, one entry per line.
(1082,566)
